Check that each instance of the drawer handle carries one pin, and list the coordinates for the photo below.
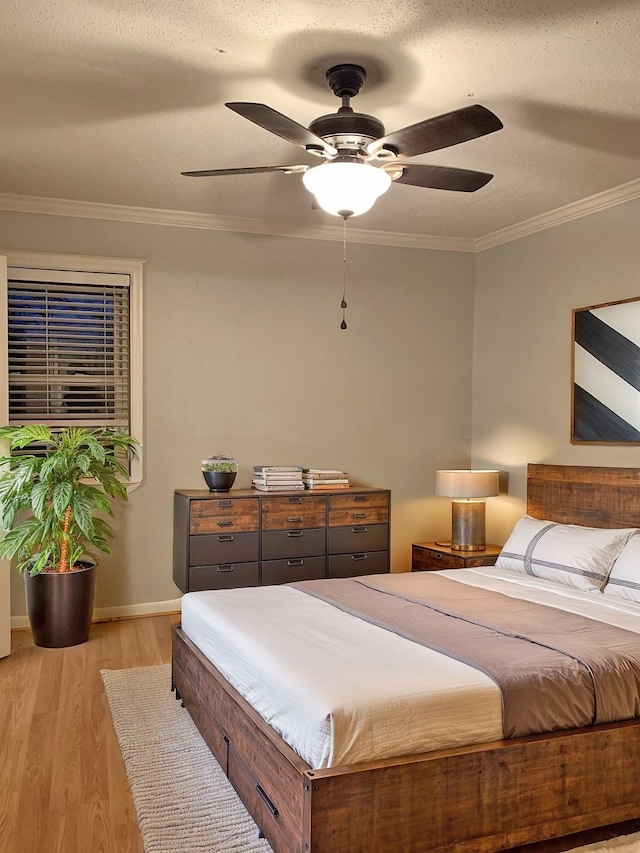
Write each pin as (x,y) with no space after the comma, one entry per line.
(225,524)
(359,498)
(227,538)
(225,568)
(295,562)
(294,534)
(358,556)
(295,500)
(438,556)
(294,518)
(360,515)
(225,503)
(274,811)
(359,529)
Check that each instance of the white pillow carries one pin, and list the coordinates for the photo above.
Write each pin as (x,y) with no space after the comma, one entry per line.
(566,553)
(624,579)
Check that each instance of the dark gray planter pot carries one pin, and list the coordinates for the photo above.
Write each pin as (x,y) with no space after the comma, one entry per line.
(60,606)
(219,481)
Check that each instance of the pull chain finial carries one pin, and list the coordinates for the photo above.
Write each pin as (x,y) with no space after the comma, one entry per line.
(345,214)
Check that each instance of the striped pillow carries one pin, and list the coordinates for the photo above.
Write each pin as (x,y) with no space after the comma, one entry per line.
(576,556)
(624,579)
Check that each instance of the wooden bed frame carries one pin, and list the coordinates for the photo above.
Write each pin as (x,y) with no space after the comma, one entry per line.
(478,799)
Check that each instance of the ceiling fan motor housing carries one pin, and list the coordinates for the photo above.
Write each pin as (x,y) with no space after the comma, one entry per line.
(347,123)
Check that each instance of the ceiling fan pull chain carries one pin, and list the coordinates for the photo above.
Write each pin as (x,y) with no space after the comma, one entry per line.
(343,304)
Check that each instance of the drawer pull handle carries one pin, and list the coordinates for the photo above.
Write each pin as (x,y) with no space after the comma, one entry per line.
(294,518)
(359,529)
(225,524)
(360,514)
(438,556)
(274,811)
(295,500)
(358,556)
(295,562)
(225,503)
(228,538)
(359,498)
(294,534)
(225,568)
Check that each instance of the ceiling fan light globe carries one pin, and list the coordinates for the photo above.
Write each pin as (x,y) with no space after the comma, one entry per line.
(340,187)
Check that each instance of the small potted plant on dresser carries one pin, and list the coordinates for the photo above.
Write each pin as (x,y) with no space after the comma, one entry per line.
(50,505)
(219,472)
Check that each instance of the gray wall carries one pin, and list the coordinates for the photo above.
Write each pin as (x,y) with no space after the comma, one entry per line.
(525,292)
(244,355)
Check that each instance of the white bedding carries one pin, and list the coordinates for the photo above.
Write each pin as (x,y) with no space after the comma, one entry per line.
(340,691)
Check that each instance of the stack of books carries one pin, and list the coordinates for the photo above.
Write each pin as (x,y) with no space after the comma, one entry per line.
(277,478)
(324,478)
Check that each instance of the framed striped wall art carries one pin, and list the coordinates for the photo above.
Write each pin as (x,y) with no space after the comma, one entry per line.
(606,374)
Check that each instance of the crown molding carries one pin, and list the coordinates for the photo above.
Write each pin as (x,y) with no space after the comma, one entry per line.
(575,210)
(213,222)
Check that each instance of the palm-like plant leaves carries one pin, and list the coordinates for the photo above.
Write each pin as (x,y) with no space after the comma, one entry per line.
(49,503)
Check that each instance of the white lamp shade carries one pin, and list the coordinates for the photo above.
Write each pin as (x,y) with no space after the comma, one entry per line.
(350,188)
(467,484)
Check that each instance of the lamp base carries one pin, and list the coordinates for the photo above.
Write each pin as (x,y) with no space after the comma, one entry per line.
(468,526)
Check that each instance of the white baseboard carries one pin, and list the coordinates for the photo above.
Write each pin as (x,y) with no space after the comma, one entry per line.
(104,614)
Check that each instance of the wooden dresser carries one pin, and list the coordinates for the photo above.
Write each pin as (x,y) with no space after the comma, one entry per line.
(250,538)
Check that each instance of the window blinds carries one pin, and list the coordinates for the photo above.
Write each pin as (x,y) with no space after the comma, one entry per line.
(68,348)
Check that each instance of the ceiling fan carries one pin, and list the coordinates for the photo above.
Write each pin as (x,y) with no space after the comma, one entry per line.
(361,160)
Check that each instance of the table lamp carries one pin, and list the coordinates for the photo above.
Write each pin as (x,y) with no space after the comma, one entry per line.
(467,513)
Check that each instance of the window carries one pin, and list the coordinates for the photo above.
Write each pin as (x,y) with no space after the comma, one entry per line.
(74,343)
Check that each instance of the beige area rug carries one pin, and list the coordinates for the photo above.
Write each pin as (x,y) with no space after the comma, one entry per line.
(182,798)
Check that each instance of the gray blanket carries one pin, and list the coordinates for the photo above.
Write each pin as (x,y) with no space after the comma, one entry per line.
(555,670)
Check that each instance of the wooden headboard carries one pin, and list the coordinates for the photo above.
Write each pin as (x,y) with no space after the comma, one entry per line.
(576,494)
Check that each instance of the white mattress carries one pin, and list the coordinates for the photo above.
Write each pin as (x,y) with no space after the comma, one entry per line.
(340,691)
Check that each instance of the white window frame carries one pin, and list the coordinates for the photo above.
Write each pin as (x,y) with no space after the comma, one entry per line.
(87,263)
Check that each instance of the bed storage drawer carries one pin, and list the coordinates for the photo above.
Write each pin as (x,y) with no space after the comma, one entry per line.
(358,538)
(277,544)
(212,549)
(297,569)
(224,576)
(353,565)
(273,803)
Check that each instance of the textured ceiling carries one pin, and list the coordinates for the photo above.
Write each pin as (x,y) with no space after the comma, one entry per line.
(108,100)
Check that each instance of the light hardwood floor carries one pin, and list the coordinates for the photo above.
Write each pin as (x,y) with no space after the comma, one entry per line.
(63,787)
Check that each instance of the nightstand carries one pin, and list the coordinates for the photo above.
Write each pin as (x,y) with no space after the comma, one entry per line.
(429,557)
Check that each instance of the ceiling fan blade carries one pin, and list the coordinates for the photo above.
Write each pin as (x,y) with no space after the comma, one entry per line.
(249,170)
(282,126)
(440,177)
(440,131)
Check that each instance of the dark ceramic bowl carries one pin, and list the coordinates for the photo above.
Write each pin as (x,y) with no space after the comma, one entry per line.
(219,481)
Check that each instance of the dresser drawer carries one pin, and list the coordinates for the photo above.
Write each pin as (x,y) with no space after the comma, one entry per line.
(213,516)
(287,571)
(349,501)
(358,509)
(353,565)
(278,544)
(358,538)
(214,548)
(224,576)
(294,512)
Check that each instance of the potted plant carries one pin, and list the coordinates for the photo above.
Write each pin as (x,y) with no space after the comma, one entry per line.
(51,507)
(219,472)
